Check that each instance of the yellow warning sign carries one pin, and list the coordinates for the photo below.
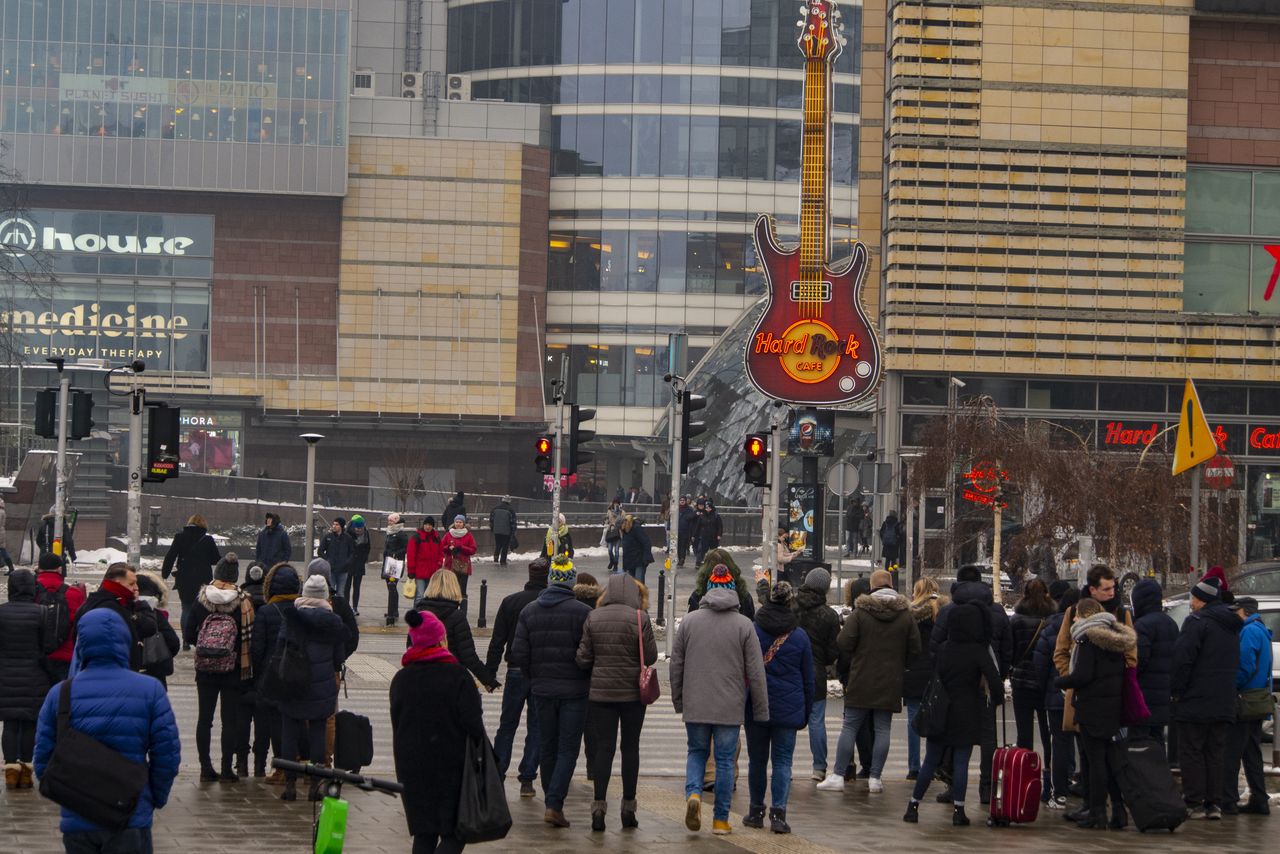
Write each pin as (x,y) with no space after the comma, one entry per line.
(1195,444)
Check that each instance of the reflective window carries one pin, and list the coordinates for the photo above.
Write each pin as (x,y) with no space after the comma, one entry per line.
(1053,394)
(1215,278)
(1218,201)
(648,261)
(924,391)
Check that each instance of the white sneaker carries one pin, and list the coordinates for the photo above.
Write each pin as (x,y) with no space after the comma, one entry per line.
(833,783)
(1057,803)
(876,786)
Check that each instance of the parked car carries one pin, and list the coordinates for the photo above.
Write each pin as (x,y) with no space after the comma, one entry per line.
(1179,607)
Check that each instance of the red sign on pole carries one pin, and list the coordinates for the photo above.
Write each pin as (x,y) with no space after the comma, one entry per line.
(1220,472)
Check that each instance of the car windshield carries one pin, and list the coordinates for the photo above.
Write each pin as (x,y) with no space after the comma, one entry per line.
(1265,583)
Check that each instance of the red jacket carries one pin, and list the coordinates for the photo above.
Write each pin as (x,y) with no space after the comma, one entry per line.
(51,581)
(466,547)
(424,555)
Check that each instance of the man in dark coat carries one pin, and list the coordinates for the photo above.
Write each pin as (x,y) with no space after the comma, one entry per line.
(457,504)
(708,533)
(195,553)
(1205,658)
(273,543)
(548,633)
(892,539)
(339,549)
(502,521)
(24,680)
(853,523)
(515,688)
(822,626)
(688,518)
(1157,633)
(119,593)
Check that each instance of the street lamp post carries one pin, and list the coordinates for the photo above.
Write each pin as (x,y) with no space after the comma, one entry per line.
(312,439)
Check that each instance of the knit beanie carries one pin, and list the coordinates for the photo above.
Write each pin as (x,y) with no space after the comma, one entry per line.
(425,629)
(228,569)
(1220,575)
(780,593)
(1058,588)
(50,562)
(720,577)
(562,571)
(357,521)
(254,574)
(1206,590)
(817,579)
(316,588)
(538,570)
(393,519)
(320,567)
(342,523)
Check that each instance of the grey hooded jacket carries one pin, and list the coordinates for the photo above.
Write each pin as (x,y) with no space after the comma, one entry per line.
(716,656)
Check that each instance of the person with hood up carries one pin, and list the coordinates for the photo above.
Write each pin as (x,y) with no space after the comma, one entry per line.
(1244,739)
(1059,762)
(1097,679)
(280,587)
(716,665)
(360,540)
(459,545)
(548,634)
(119,593)
(876,642)
(154,593)
(586,589)
(788,669)
(502,521)
(562,542)
(822,626)
(273,545)
(223,663)
(973,683)
(424,554)
(394,547)
(925,603)
(515,689)
(1030,616)
(24,680)
(892,539)
(435,711)
(55,592)
(637,548)
(715,558)
(687,518)
(612,536)
(126,711)
(338,549)
(195,553)
(1157,633)
(304,717)
(612,639)
(457,505)
(443,597)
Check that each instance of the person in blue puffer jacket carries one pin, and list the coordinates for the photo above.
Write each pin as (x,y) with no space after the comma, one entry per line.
(1157,633)
(788,671)
(1062,753)
(1244,739)
(126,711)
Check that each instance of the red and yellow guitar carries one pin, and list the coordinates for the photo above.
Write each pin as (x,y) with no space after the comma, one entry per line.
(814,344)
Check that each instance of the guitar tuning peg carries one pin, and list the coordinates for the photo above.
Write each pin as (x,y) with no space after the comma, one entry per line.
(800,23)
(804,8)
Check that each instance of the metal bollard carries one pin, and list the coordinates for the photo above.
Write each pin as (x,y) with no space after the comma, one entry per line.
(484,601)
(662,597)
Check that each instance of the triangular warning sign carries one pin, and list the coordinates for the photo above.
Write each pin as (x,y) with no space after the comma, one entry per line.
(1195,444)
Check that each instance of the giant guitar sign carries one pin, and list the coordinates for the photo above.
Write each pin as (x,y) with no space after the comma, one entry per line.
(814,344)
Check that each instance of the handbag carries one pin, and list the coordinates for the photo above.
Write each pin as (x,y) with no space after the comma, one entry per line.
(483,815)
(930,719)
(155,650)
(288,670)
(1255,704)
(410,589)
(89,778)
(392,569)
(650,690)
(1133,706)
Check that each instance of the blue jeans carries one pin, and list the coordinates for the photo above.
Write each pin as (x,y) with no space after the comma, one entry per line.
(881,720)
(184,614)
(339,582)
(765,744)
(515,698)
(637,572)
(560,725)
(615,552)
(818,734)
(134,840)
(959,770)
(913,737)
(701,737)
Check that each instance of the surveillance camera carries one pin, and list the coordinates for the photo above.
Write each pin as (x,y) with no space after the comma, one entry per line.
(666,378)
(138,366)
(958,383)
(871,456)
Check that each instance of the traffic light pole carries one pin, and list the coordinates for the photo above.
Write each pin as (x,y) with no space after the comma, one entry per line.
(560,388)
(137,405)
(673,535)
(60,497)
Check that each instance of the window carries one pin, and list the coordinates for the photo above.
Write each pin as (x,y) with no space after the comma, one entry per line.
(1049,394)
(1218,201)
(1131,397)
(1231,277)
(1215,278)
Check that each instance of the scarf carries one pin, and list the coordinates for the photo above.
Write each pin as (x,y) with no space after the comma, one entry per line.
(456,534)
(226,594)
(123,594)
(282,597)
(1080,626)
(308,602)
(428,653)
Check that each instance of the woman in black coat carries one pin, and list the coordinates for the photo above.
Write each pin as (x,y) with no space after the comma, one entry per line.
(443,597)
(24,682)
(1030,616)
(925,603)
(1157,633)
(637,549)
(435,710)
(195,552)
(968,673)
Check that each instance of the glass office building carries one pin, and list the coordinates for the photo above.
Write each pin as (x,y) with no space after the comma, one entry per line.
(675,124)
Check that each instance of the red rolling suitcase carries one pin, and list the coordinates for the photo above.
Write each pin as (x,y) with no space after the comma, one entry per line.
(1015,785)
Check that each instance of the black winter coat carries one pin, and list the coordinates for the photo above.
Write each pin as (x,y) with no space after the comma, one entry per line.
(1098,679)
(964,662)
(458,631)
(822,626)
(267,623)
(343,609)
(324,637)
(1026,628)
(1157,634)
(1046,671)
(195,553)
(1205,659)
(548,634)
(504,624)
(637,550)
(140,618)
(339,550)
(360,557)
(1000,633)
(920,668)
(24,682)
(435,708)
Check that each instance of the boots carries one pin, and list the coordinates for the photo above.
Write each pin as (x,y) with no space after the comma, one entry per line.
(629,815)
(1119,818)
(958,818)
(207,774)
(229,776)
(315,792)
(555,818)
(597,815)
(242,765)
(754,817)
(260,766)
(12,773)
(1257,805)
(778,821)
(290,792)
(26,775)
(1096,819)
(275,778)
(912,815)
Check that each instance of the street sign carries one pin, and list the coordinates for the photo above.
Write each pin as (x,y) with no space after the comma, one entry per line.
(1220,472)
(876,477)
(1195,444)
(842,478)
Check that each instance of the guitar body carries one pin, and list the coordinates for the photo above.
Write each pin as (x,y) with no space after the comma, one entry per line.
(823,352)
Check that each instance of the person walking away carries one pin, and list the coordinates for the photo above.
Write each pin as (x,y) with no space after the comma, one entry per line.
(876,642)
(119,593)
(710,530)
(587,591)
(126,711)
(515,689)
(564,544)
(435,711)
(194,553)
(925,602)
(452,508)
(637,549)
(613,517)
(459,546)
(1097,678)
(66,601)
(424,554)
(338,549)
(864,534)
(359,560)
(1060,759)
(788,669)
(1030,616)
(852,524)
(714,559)
(502,521)
(716,666)
(892,535)
(548,634)
(351,641)
(1157,634)
(443,598)
(24,680)
(687,517)
(822,627)
(1244,739)
(394,547)
(221,630)
(612,638)
(972,682)
(273,545)
(303,717)
(158,661)
(254,730)
(280,587)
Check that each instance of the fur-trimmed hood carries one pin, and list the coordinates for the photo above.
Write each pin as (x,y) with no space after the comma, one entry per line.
(928,609)
(1116,637)
(161,586)
(587,594)
(882,605)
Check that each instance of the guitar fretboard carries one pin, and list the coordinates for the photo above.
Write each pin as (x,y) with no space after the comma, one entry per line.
(813,188)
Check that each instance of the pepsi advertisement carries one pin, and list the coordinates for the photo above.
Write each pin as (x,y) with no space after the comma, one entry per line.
(812,433)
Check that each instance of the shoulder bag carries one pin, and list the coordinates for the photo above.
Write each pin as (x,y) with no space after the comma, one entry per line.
(483,814)
(930,720)
(650,690)
(775,646)
(1255,704)
(288,670)
(94,781)
(1133,705)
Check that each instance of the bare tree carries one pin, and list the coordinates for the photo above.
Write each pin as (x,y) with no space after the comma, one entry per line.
(406,468)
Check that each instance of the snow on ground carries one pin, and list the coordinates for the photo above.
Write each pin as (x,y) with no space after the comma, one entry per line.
(102,556)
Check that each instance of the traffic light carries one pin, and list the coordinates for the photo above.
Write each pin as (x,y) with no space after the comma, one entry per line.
(578,437)
(756,464)
(81,415)
(545,448)
(47,413)
(162,442)
(689,429)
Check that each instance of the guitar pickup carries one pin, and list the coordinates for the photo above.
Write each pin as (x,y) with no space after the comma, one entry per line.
(811,292)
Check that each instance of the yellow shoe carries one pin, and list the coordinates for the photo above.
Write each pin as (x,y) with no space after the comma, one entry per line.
(693,813)
(721,828)
(12,773)
(26,775)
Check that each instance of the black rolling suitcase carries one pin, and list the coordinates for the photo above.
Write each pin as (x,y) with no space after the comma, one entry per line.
(1147,785)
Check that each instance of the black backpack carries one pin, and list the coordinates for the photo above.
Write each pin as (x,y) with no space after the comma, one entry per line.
(288,672)
(57,617)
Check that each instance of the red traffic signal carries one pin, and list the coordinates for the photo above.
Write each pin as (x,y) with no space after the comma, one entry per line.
(544,446)
(756,464)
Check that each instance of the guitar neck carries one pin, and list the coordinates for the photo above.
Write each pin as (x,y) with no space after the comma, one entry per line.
(814,175)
